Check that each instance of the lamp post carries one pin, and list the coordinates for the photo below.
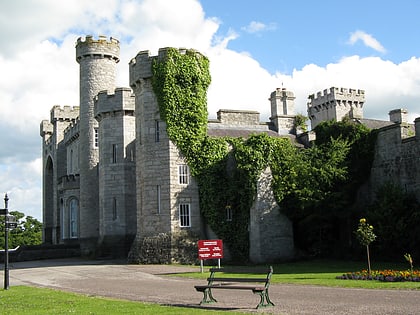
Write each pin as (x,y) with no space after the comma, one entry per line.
(6,243)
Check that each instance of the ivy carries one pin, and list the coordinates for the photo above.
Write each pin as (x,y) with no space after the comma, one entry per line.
(227,169)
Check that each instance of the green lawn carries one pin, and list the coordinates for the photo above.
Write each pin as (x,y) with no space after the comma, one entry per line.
(324,272)
(24,300)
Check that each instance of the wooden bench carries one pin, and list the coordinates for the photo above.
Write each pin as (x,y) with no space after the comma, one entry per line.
(253,282)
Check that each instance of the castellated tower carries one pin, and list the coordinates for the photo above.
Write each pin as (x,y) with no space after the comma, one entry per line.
(97,60)
(335,104)
(167,196)
(54,164)
(283,111)
(117,186)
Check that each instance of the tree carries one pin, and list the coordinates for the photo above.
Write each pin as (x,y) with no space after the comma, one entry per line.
(27,232)
(365,235)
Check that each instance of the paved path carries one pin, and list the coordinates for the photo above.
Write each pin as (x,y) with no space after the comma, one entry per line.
(143,282)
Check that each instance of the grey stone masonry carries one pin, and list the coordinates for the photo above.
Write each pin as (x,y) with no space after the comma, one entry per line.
(97,60)
(283,111)
(159,192)
(54,161)
(398,116)
(334,104)
(397,158)
(270,232)
(117,192)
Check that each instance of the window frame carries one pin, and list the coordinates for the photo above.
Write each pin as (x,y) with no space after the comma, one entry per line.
(184,215)
(183,174)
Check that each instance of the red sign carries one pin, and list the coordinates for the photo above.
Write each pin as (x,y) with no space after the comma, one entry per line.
(210,249)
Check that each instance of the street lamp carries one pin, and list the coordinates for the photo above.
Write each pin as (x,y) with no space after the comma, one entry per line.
(6,243)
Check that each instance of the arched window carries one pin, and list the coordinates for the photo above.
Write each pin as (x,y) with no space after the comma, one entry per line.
(74,218)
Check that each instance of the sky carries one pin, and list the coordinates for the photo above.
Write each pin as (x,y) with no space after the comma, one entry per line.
(254,47)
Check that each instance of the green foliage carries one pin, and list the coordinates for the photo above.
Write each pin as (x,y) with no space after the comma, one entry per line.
(364,233)
(397,219)
(28,231)
(300,122)
(227,169)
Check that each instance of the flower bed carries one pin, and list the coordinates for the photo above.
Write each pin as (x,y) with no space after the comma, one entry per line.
(383,275)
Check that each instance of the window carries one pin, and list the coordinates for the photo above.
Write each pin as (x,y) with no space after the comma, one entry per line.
(184,215)
(157,131)
(158,198)
(183,174)
(71,162)
(228,213)
(114,208)
(74,211)
(96,138)
(114,153)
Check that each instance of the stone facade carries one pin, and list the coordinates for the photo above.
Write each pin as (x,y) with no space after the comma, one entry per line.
(397,151)
(114,183)
(397,157)
(334,104)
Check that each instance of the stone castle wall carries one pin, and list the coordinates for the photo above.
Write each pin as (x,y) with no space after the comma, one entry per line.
(397,158)
(159,193)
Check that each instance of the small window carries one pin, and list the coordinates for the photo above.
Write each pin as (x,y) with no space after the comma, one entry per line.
(157,131)
(158,198)
(228,213)
(96,137)
(184,215)
(114,153)
(114,209)
(74,209)
(183,174)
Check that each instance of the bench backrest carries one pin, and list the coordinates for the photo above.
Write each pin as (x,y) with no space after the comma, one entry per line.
(252,274)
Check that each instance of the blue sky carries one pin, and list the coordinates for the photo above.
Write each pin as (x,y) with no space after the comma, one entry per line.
(254,47)
(293,34)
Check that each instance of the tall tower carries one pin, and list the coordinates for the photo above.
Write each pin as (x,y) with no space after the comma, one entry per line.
(283,110)
(97,60)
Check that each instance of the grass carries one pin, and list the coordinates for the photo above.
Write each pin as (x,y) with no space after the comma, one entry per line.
(324,272)
(24,300)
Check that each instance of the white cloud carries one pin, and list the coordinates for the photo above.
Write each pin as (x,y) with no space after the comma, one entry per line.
(39,71)
(257,27)
(367,39)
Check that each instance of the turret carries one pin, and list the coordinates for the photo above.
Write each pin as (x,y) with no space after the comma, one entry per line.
(97,60)
(335,104)
(282,110)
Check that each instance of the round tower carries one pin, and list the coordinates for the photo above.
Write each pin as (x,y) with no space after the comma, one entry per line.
(97,60)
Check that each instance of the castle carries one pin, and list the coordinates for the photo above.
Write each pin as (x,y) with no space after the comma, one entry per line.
(114,183)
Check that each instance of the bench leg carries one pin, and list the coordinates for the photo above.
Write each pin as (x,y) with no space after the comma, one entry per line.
(264,299)
(208,297)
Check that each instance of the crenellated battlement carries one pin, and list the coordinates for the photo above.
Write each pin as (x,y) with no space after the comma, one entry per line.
(141,65)
(46,128)
(65,113)
(90,47)
(72,131)
(334,104)
(121,100)
(335,93)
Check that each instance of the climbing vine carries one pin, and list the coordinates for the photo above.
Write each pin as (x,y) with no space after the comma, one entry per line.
(227,169)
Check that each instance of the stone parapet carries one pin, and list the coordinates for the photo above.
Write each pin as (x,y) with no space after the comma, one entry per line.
(46,128)
(122,99)
(141,65)
(65,113)
(89,47)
